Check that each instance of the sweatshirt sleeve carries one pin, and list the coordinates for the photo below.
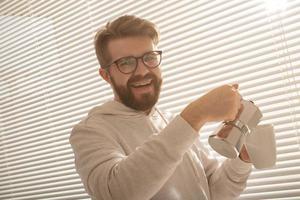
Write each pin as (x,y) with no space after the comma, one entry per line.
(227,180)
(108,174)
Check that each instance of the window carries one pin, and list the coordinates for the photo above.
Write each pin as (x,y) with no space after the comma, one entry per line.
(49,81)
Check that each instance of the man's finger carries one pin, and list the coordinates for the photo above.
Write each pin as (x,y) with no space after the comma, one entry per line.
(235,85)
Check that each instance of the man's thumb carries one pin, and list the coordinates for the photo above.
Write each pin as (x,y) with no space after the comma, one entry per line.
(235,85)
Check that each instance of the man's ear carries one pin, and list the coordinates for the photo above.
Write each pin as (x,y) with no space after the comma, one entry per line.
(104,74)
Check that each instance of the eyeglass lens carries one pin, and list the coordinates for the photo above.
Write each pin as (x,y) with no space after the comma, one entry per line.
(128,64)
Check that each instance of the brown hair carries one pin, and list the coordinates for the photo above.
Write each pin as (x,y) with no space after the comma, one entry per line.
(124,26)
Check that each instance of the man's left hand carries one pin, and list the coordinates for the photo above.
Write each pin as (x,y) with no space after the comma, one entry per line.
(244,156)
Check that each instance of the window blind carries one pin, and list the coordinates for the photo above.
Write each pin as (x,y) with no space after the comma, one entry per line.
(49,81)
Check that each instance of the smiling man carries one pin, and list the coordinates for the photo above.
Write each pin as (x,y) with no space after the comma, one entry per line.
(139,92)
(125,149)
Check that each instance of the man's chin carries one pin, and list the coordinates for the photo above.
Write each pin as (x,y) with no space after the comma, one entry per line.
(143,103)
(142,100)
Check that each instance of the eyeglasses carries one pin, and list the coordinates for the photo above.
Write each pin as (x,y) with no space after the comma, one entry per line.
(129,64)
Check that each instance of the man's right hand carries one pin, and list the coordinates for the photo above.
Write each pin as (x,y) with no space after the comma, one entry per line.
(219,104)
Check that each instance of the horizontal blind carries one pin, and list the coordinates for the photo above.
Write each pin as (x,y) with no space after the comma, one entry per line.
(49,81)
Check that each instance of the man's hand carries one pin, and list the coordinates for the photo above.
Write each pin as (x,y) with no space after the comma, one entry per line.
(220,104)
(244,156)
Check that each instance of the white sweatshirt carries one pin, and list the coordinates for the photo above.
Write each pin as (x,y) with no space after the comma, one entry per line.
(124,154)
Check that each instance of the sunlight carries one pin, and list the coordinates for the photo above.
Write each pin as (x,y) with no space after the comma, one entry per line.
(275,5)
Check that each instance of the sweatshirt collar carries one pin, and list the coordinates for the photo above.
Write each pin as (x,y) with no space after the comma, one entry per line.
(113,107)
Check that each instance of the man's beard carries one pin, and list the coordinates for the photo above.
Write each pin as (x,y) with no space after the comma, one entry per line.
(147,100)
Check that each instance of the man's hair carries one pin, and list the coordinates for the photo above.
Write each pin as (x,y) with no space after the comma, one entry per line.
(124,26)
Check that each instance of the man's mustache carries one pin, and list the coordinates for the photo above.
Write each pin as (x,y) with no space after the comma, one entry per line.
(141,78)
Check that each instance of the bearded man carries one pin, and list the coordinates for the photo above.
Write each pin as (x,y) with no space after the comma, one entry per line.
(125,149)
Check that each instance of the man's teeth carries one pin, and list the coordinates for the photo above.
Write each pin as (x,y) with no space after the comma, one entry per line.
(146,82)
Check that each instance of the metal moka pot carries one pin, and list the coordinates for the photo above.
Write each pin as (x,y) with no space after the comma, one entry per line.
(258,140)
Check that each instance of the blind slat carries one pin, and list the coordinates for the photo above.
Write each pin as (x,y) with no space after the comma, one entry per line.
(49,81)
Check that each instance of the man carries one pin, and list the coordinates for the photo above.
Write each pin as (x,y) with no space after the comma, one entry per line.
(122,148)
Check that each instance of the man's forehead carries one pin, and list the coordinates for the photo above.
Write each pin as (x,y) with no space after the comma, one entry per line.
(130,46)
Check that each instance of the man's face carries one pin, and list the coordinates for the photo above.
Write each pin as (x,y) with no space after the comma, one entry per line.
(127,87)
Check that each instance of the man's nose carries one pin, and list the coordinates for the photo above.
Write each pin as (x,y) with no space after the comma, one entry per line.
(141,68)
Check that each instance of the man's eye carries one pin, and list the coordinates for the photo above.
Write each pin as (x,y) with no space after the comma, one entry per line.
(150,58)
(125,62)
